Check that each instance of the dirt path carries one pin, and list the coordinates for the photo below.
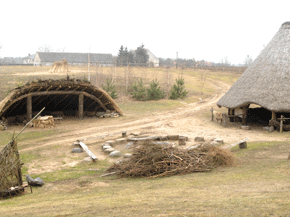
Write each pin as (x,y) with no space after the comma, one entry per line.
(189,120)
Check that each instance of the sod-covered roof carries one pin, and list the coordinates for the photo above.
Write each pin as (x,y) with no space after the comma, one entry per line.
(57,95)
(267,81)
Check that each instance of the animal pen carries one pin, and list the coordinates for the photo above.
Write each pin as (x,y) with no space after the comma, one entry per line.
(62,98)
(265,84)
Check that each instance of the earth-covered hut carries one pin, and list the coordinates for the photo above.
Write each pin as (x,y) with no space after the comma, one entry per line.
(66,97)
(265,83)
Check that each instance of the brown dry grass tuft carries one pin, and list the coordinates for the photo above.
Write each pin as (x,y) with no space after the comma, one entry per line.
(221,157)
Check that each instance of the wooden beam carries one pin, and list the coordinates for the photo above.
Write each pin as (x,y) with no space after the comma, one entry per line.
(81,106)
(87,150)
(29,107)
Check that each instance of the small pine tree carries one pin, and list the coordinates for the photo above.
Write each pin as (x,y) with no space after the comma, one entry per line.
(139,91)
(155,92)
(110,88)
(178,89)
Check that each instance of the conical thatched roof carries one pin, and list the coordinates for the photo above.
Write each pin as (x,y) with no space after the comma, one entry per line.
(267,81)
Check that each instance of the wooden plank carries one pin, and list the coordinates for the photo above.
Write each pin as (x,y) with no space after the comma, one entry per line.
(87,150)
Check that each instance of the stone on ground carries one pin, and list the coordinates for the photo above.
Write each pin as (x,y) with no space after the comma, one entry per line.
(115,154)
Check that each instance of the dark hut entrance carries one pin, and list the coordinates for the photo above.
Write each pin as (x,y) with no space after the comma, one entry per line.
(61,98)
(254,115)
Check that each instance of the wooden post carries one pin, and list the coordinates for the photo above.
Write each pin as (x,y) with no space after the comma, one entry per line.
(245,113)
(224,119)
(231,113)
(181,140)
(273,116)
(281,124)
(211,113)
(29,107)
(81,106)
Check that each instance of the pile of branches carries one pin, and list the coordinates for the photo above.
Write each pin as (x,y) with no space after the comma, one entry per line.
(153,160)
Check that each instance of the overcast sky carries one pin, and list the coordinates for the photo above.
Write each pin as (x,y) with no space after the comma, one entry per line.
(200,29)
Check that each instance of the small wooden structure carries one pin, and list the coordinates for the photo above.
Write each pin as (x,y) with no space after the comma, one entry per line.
(69,96)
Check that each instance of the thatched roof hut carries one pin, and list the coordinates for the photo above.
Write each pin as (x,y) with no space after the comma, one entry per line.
(266,81)
(68,97)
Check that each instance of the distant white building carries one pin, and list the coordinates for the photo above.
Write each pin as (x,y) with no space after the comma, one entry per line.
(153,60)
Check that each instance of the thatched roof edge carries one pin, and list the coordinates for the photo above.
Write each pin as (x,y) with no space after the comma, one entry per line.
(266,80)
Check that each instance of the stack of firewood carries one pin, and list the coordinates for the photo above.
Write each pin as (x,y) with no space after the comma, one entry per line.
(44,122)
(152,160)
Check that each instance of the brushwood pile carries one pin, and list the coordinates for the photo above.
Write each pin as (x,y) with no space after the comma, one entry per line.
(153,160)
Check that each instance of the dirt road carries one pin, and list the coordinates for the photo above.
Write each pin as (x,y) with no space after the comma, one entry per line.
(189,120)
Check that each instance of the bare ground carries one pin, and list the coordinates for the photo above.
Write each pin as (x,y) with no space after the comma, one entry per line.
(190,120)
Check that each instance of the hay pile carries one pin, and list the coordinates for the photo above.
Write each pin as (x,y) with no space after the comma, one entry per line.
(10,168)
(43,122)
(152,160)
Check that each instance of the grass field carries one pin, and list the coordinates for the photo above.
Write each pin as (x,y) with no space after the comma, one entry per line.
(258,185)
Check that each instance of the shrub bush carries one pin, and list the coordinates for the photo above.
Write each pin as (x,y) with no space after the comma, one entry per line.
(139,91)
(110,88)
(178,89)
(155,92)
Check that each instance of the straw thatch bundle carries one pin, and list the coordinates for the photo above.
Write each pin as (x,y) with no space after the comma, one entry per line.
(10,168)
(266,81)
(59,66)
(152,160)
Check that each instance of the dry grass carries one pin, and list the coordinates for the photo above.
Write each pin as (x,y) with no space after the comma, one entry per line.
(257,186)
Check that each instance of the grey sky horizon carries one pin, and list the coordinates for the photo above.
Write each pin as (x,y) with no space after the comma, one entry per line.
(204,30)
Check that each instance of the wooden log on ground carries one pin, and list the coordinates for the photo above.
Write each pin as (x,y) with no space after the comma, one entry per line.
(235,144)
(87,150)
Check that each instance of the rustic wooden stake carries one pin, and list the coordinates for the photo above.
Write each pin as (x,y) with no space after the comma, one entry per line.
(29,107)
(224,118)
(81,106)
(211,113)
(281,124)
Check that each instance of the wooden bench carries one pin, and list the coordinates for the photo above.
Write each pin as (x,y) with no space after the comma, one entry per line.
(59,119)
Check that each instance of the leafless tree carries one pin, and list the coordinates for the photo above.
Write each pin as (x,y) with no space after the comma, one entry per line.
(49,48)
(225,62)
(248,61)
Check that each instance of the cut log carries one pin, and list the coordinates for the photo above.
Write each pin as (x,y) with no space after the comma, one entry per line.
(235,144)
(87,150)
(182,140)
